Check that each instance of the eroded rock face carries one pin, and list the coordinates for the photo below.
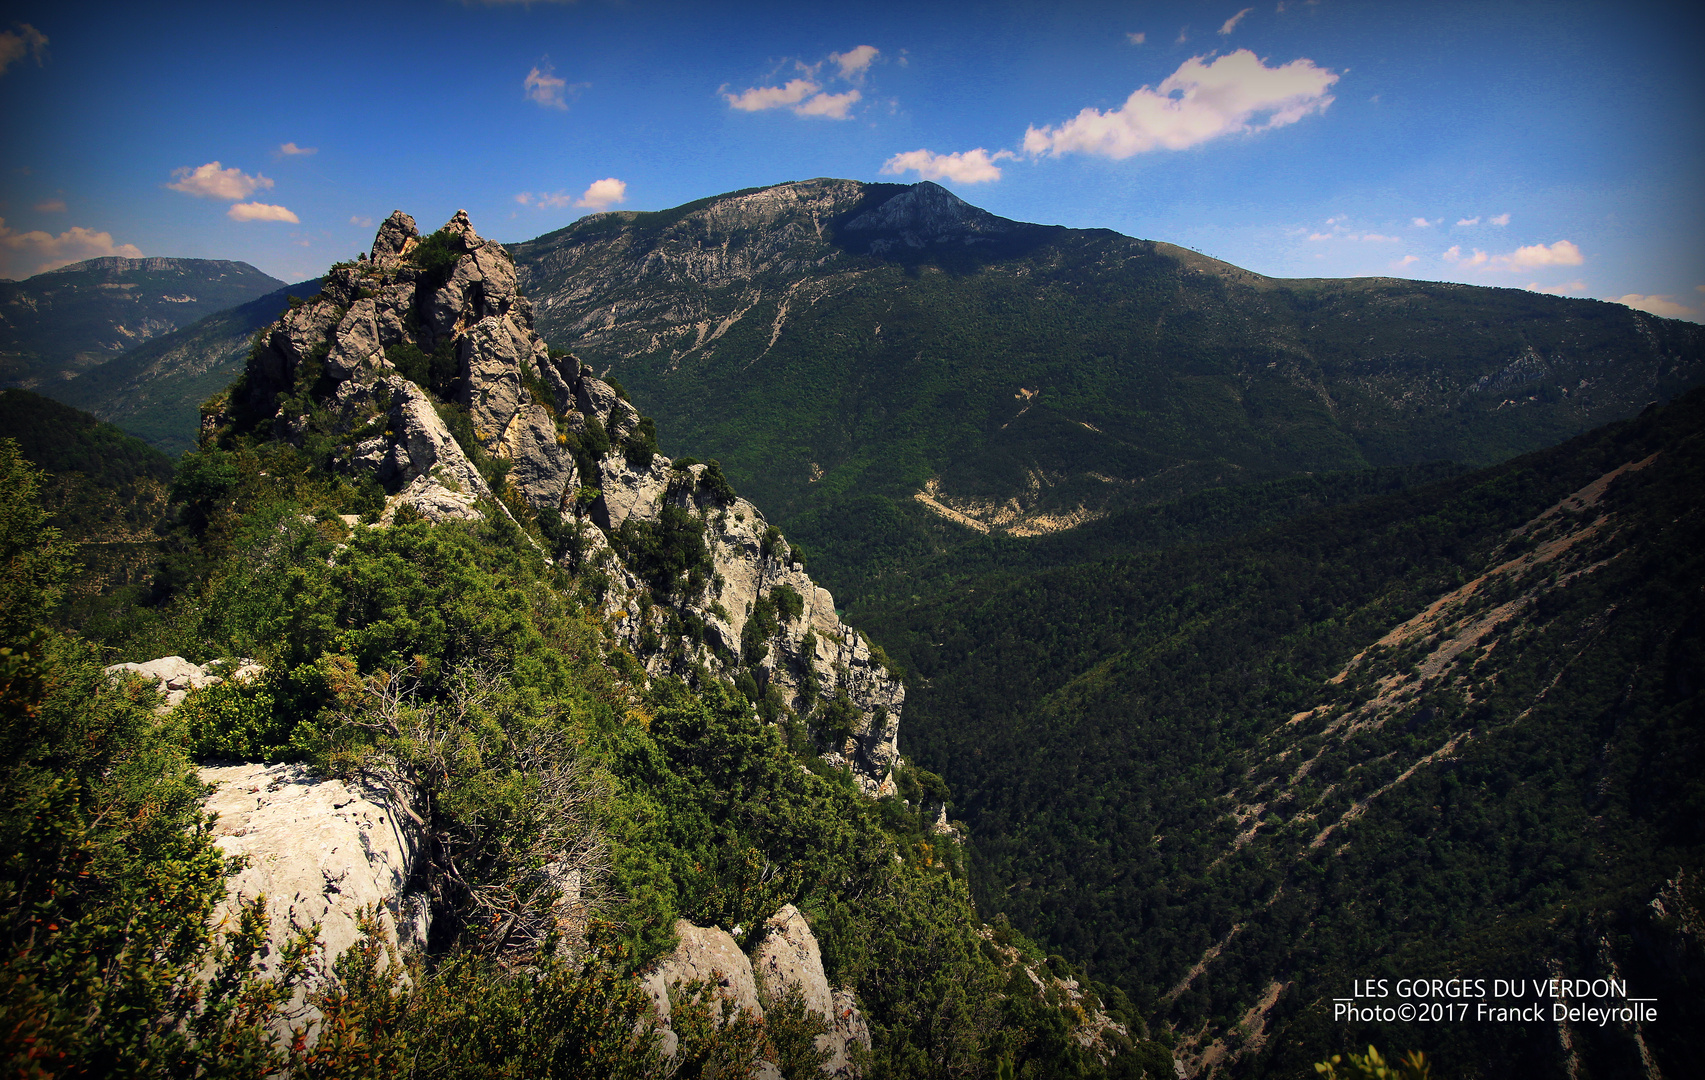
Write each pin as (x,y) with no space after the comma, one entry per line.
(319,850)
(424,359)
(788,957)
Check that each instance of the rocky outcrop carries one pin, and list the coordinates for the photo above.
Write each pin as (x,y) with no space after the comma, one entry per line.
(421,366)
(174,677)
(787,958)
(320,850)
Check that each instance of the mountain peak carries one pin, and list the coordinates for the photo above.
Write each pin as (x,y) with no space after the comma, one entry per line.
(926,211)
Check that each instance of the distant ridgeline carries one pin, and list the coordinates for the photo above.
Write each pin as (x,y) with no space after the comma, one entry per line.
(597,696)
(59,325)
(870,359)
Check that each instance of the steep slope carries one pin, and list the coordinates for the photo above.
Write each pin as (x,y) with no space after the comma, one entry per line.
(850,347)
(55,326)
(417,371)
(1454,732)
(154,389)
(106,489)
(465,586)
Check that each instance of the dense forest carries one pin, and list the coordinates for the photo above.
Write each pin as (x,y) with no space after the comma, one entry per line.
(1124,733)
(457,657)
(1246,660)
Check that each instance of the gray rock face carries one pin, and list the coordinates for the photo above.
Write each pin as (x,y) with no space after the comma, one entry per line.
(460,329)
(174,677)
(395,239)
(787,958)
(319,850)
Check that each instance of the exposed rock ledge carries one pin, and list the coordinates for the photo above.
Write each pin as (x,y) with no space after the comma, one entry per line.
(174,677)
(319,850)
(787,958)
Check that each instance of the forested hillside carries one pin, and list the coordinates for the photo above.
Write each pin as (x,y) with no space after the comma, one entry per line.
(499,634)
(844,348)
(57,325)
(154,390)
(105,489)
(1451,731)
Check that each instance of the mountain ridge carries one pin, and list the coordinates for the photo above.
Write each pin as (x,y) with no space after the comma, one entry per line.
(57,325)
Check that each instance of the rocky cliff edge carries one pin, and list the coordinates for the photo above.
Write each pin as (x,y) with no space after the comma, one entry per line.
(418,367)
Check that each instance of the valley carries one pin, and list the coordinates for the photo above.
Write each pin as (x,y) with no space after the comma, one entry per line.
(1135,626)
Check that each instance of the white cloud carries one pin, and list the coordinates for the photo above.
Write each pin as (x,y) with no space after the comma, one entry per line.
(1562,253)
(1501,219)
(1558,290)
(759,98)
(834,106)
(1657,305)
(855,62)
(546,90)
(361,222)
(1136,38)
(23,254)
(1407,260)
(802,94)
(1469,220)
(290,149)
(1479,258)
(257,211)
(51,206)
(1377,238)
(27,41)
(970,167)
(1231,23)
(806,95)
(1183,35)
(1423,223)
(1196,103)
(546,200)
(210,181)
(1320,236)
(603,193)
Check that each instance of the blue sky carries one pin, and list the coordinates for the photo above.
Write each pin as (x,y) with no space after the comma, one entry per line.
(1555,146)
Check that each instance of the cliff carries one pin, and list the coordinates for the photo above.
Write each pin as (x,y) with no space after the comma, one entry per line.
(418,369)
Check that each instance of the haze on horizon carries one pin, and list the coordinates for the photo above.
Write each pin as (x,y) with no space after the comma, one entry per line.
(1548,146)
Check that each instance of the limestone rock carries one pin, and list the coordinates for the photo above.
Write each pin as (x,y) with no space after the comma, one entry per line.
(543,469)
(396,238)
(788,958)
(704,953)
(174,677)
(493,353)
(319,850)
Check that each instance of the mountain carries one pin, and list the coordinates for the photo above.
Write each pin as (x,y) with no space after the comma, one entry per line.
(862,357)
(1449,731)
(487,677)
(155,390)
(55,326)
